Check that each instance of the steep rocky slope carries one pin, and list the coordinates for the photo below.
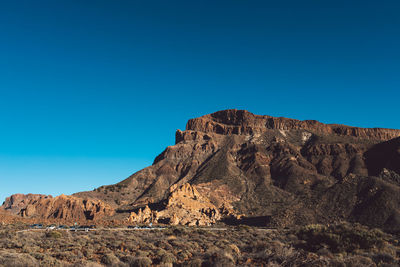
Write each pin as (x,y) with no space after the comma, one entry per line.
(268,171)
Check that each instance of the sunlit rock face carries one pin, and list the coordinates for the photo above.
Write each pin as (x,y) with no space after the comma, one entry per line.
(184,206)
(62,207)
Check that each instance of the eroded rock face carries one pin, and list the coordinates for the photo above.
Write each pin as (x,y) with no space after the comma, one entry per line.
(143,216)
(62,207)
(18,202)
(184,206)
(245,123)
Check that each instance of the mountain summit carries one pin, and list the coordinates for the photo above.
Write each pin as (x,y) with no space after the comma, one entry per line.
(237,167)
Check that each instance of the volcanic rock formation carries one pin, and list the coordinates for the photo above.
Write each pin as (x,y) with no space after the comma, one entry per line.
(62,207)
(185,206)
(271,171)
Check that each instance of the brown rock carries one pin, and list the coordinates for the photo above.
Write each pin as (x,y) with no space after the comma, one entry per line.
(185,206)
(61,207)
(245,123)
(145,215)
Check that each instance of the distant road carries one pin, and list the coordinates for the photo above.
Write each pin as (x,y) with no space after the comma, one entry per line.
(139,229)
(116,229)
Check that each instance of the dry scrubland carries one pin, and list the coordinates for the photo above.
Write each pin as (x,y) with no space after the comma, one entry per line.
(312,245)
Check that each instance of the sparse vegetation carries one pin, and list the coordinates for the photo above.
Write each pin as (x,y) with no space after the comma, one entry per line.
(313,245)
(341,237)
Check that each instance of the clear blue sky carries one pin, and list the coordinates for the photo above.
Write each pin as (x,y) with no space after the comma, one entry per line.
(92,91)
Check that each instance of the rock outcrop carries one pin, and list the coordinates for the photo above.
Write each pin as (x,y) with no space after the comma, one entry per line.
(61,207)
(17,202)
(245,123)
(184,206)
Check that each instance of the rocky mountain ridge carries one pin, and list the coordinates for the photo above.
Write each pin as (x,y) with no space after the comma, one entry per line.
(243,122)
(263,170)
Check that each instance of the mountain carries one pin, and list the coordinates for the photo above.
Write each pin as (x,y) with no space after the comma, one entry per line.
(239,167)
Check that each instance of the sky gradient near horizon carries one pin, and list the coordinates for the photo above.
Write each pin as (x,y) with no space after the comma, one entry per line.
(92,91)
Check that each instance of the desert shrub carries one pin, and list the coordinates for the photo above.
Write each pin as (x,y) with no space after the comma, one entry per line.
(38,256)
(5,234)
(292,238)
(17,259)
(277,252)
(163,244)
(54,234)
(87,252)
(138,261)
(128,259)
(81,241)
(159,252)
(14,244)
(314,262)
(381,258)
(324,252)
(219,259)
(168,258)
(87,264)
(357,260)
(164,256)
(110,259)
(210,249)
(65,256)
(194,263)
(184,255)
(141,253)
(28,249)
(146,246)
(233,250)
(191,245)
(201,231)
(130,245)
(339,238)
(183,244)
(256,246)
(179,230)
(221,243)
(50,261)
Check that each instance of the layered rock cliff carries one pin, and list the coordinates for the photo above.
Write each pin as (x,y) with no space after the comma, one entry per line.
(245,123)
